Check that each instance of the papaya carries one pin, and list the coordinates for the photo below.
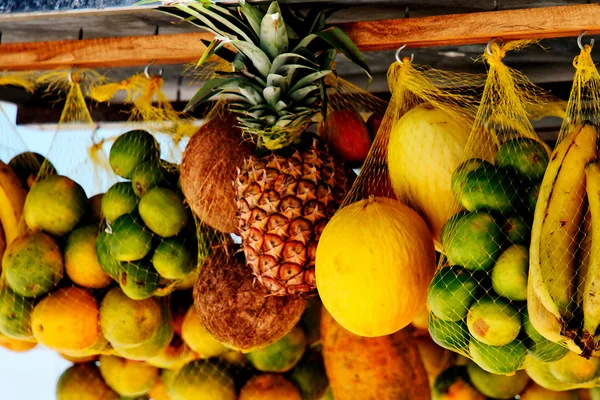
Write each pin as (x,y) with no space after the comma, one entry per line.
(379,368)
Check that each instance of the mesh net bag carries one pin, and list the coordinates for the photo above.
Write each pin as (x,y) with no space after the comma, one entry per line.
(479,297)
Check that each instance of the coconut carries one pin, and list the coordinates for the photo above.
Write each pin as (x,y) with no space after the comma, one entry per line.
(236,310)
(208,169)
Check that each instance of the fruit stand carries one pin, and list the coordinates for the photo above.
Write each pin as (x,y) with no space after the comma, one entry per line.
(322,200)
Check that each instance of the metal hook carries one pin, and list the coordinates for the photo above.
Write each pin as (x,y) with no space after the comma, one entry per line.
(412,56)
(146,70)
(488,46)
(581,37)
(70,75)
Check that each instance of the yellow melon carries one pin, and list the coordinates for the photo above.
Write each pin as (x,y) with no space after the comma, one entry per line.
(374,263)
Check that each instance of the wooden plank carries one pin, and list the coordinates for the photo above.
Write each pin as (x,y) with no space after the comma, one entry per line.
(446,30)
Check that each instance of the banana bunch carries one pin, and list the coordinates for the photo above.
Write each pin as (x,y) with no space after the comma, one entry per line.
(564,262)
(12,200)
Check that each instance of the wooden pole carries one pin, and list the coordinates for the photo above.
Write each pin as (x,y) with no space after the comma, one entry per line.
(444,30)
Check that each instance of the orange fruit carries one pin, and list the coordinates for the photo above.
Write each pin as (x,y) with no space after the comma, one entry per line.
(18,346)
(81,260)
(67,320)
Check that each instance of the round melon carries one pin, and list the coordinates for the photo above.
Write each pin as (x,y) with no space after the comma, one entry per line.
(426,145)
(375,260)
(208,169)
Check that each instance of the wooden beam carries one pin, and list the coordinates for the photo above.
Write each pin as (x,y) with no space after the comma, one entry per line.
(445,30)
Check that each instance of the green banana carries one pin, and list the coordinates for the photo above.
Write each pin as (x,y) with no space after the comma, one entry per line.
(591,295)
(556,221)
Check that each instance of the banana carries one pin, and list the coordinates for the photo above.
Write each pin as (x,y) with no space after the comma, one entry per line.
(12,200)
(591,295)
(556,221)
(583,256)
(2,245)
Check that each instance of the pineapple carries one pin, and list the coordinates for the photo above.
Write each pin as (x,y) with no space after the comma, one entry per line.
(286,193)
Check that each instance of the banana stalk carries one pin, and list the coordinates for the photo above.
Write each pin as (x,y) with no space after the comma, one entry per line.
(591,295)
(556,222)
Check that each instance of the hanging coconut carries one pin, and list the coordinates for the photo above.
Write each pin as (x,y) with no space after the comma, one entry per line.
(208,169)
(236,310)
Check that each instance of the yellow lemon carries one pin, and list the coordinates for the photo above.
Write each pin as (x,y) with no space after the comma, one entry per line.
(196,336)
(375,260)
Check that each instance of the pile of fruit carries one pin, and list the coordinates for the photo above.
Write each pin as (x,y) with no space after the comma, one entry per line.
(478,302)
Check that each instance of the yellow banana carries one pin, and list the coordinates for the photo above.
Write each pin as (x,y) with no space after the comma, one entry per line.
(591,295)
(12,200)
(583,256)
(2,245)
(556,221)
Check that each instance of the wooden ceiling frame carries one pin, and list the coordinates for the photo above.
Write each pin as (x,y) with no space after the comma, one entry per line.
(444,30)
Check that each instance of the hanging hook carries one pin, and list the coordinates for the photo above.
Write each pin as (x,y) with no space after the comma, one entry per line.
(146,70)
(412,56)
(488,46)
(70,75)
(581,37)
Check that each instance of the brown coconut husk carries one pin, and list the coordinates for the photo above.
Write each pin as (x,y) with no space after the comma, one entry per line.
(236,310)
(208,169)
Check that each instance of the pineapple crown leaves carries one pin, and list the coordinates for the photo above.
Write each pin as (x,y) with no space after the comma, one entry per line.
(277,83)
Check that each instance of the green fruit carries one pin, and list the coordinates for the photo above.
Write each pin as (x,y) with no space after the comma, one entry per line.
(472,240)
(538,346)
(310,377)
(595,393)
(126,322)
(311,320)
(282,355)
(55,205)
(460,173)
(493,321)
(517,230)
(532,198)
(130,149)
(451,293)
(163,211)
(328,395)
(174,259)
(33,264)
(200,380)
(28,165)
(15,315)
(449,334)
(129,240)
(107,262)
(149,174)
(119,199)
(153,346)
(574,369)
(501,360)
(509,276)
(453,383)
(524,155)
(138,280)
(488,188)
(497,386)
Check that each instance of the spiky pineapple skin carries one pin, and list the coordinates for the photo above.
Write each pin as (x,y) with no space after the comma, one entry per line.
(283,206)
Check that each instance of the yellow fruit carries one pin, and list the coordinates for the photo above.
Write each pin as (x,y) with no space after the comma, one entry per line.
(158,391)
(127,377)
(81,260)
(83,382)
(199,380)
(12,202)
(426,145)
(127,322)
(435,358)
(67,319)
(18,346)
(387,367)
(77,360)
(175,356)
(536,392)
(197,337)
(375,260)
(269,387)
(421,321)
